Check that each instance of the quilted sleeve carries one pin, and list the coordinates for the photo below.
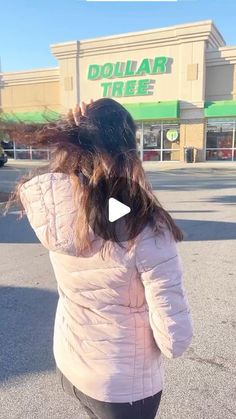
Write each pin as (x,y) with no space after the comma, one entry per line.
(48,203)
(160,269)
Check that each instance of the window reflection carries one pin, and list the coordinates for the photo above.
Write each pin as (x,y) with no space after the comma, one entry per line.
(156,141)
(151,155)
(171,136)
(138,138)
(151,136)
(220,140)
(161,141)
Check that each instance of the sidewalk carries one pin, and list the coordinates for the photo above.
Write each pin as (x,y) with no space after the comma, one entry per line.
(148,166)
(157,166)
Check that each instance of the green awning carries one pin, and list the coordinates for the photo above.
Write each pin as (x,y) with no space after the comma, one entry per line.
(30,117)
(220,108)
(153,110)
(139,111)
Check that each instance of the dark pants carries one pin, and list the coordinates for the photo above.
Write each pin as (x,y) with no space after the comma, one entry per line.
(96,409)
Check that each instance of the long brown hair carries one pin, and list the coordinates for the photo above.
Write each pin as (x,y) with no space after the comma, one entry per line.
(101,146)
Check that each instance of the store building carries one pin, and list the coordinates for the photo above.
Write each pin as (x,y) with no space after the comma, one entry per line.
(179,84)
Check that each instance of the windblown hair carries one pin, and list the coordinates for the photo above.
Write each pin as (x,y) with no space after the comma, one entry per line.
(102,146)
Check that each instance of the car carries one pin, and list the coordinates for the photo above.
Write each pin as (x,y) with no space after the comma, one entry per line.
(3,157)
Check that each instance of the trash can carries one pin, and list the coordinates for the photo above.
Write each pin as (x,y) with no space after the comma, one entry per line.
(189,154)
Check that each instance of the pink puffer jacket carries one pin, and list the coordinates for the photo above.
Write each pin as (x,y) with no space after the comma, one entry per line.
(114,316)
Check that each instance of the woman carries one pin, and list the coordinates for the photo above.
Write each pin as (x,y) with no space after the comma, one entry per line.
(121,299)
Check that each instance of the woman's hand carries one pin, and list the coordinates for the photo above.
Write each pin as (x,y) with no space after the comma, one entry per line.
(80,110)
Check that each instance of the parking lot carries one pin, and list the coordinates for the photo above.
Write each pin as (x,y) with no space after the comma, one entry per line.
(202,384)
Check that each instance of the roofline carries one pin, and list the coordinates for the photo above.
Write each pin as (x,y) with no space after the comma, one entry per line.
(149,31)
(34,70)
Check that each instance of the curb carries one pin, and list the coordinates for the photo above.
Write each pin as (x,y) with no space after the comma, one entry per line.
(152,166)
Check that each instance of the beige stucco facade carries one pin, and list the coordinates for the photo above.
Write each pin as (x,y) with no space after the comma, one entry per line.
(198,68)
(192,134)
(30,90)
(221,74)
(183,45)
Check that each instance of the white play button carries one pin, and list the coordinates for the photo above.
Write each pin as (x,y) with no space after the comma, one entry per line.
(116,209)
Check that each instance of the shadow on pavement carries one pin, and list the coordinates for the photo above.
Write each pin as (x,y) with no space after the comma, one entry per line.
(4,196)
(27,320)
(226,199)
(190,211)
(195,170)
(19,231)
(13,230)
(191,180)
(191,184)
(199,230)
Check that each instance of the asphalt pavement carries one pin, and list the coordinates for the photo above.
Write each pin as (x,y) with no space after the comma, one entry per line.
(201,384)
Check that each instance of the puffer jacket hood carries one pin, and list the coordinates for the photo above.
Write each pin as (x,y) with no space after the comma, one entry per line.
(115,315)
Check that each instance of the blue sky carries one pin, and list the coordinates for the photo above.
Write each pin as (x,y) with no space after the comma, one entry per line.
(27,28)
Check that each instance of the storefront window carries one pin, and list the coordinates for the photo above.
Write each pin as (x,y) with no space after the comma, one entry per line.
(151,155)
(220,140)
(151,136)
(139,139)
(40,154)
(171,136)
(21,151)
(161,141)
(156,141)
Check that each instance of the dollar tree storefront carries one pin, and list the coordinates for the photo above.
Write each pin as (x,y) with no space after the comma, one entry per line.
(178,83)
(158,122)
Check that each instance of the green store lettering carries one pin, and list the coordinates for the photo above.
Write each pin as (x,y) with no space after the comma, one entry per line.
(127,69)
(136,87)
(141,87)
